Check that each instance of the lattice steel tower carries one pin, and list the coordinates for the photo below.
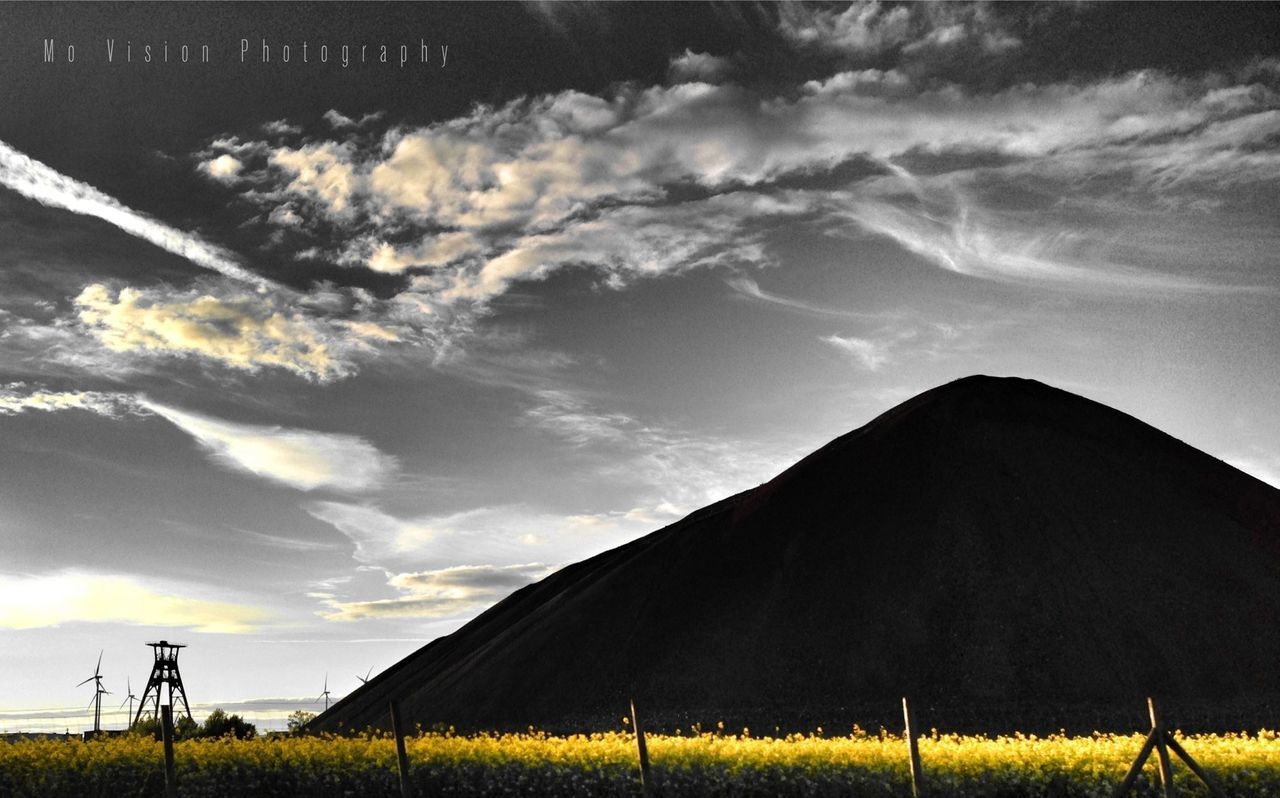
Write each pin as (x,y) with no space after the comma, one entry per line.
(165,671)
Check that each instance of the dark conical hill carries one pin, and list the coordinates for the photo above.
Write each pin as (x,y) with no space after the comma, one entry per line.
(1005,552)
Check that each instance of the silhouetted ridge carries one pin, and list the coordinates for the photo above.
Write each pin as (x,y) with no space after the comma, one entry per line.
(1007,553)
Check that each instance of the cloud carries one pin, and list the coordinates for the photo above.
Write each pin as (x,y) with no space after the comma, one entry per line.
(667,472)
(225,168)
(865,30)
(30,601)
(338,120)
(943,221)
(442,593)
(503,533)
(860,28)
(34,180)
(243,331)
(432,251)
(745,286)
(321,172)
(663,466)
(14,400)
(280,127)
(647,181)
(870,354)
(632,242)
(691,67)
(302,459)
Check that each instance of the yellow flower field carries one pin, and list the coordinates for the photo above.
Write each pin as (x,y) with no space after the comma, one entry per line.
(605,765)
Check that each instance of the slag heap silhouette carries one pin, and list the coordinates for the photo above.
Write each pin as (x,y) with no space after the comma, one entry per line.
(1006,553)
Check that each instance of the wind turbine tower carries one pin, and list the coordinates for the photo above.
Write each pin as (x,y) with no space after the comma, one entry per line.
(130,699)
(325,694)
(98,693)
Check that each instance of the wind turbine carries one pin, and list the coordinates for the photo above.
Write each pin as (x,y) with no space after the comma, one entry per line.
(131,697)
(98,693)
(365,679)
(325,694)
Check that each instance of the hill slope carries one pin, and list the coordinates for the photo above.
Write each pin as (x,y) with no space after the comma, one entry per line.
(1004,552)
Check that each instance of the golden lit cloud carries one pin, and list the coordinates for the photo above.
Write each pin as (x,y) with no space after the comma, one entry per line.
(244,331)
(225,167)
(35,601)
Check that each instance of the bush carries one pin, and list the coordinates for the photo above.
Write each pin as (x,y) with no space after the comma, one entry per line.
(218,724)
(298,720)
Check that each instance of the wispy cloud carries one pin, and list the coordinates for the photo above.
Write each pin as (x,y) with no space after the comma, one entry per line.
(30,601)
(512,193)
(299,458)
(668,472)
(666,467)
(47,186)
(503,534)
(942,223)
(747,287)
(870,354)
(459,590)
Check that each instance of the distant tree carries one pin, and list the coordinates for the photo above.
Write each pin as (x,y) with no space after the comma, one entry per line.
(220,724)
(148,726)
(298,720)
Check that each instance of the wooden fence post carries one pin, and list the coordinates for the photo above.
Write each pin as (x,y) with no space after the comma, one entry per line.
(913,749)
(646,778)
(1162,752)
(402,756)
(1161,741)
(166,734)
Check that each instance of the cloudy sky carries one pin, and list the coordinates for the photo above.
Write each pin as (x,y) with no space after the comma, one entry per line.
(304,364)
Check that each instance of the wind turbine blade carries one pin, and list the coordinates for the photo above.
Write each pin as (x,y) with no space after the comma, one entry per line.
(98,667)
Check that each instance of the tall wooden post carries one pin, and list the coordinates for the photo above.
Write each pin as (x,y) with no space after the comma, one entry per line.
(913,749)
(166,734)
(1162,752)
(402,756)
(646,778)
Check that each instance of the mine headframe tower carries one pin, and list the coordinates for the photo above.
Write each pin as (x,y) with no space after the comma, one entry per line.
(165,671)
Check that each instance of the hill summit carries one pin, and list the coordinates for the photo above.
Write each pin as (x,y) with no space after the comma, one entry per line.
(1006,553)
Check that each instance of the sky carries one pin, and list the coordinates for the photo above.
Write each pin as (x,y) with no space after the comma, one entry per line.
(305,363)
